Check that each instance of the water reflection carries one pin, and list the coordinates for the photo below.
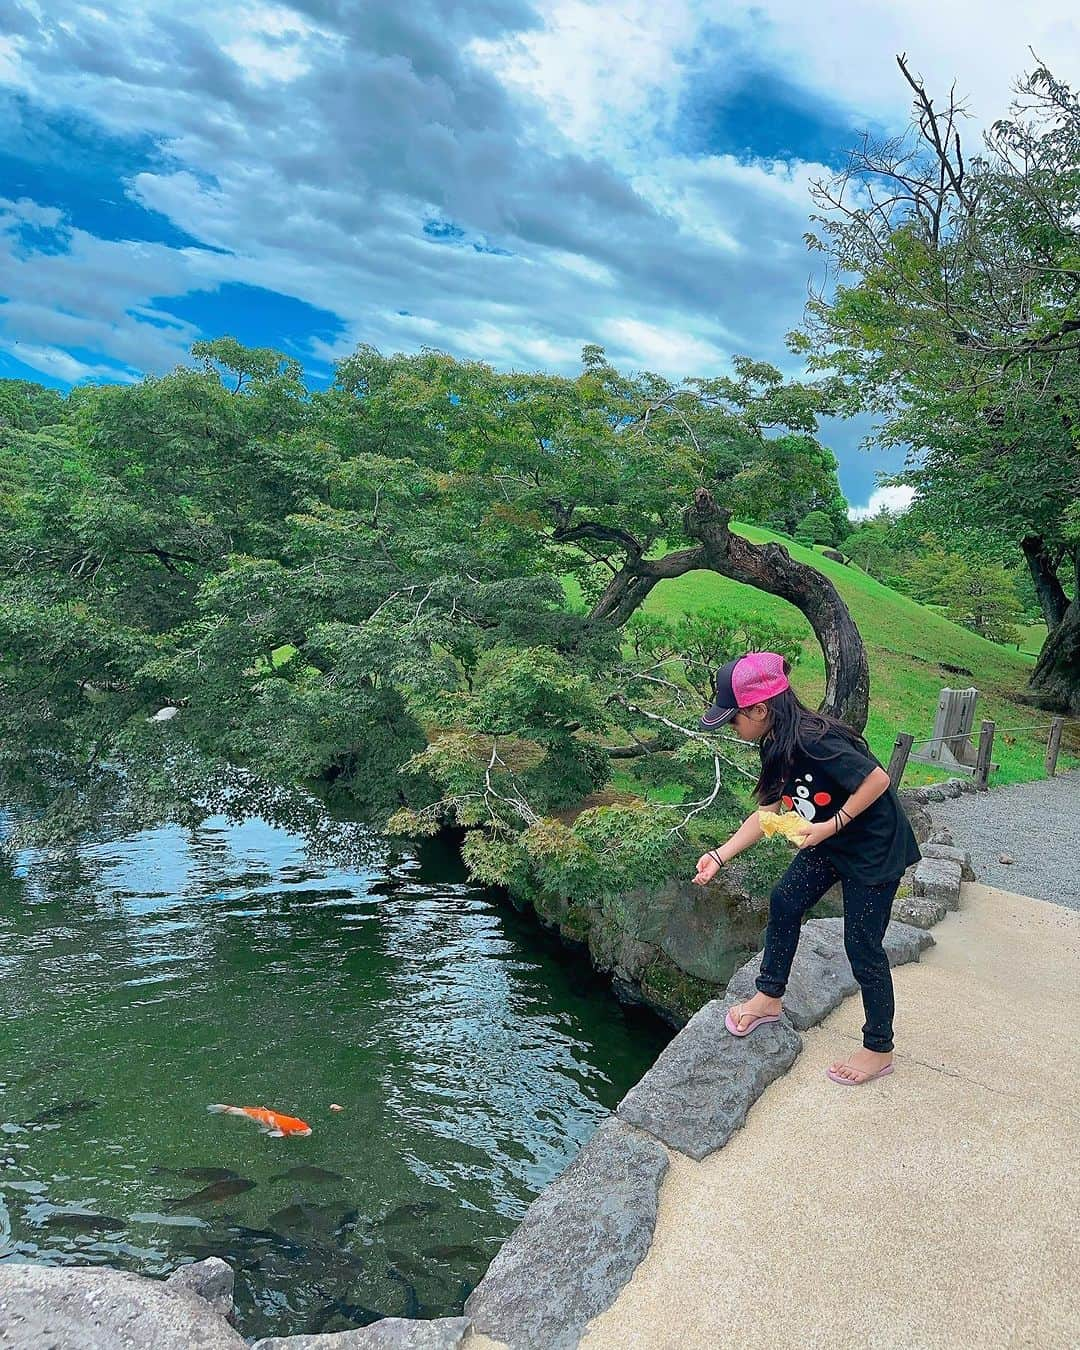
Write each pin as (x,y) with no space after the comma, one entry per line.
(148,976)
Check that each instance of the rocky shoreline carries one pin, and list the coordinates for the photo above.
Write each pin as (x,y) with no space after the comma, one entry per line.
(93,1308)
(672,948)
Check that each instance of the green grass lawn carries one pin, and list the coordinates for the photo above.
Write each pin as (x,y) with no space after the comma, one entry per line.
(908,646)
(1032,637)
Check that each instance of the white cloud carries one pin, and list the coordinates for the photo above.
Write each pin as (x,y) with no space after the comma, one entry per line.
(662,348)
(598,70)
(95,295)
(61,365)
(271,44)
(848,55)
(11,70)
(27,212)
(895,500)
(267,63)
(308,143)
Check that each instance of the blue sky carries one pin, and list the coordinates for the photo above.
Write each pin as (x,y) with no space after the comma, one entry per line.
(504,179)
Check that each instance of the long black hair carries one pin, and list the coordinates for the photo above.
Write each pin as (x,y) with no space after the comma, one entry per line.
(794,727)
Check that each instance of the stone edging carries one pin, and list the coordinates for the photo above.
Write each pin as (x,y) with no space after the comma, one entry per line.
(939,792)
(692,1100)
(558,1270)
(935,882)
(94,1308)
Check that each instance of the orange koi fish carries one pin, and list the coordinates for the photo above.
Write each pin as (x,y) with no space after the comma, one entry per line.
(272,1123)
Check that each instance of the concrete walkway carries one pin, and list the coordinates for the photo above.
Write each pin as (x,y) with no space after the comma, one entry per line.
(936,1208)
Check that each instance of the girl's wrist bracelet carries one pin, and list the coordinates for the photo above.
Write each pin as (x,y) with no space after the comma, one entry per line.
(716,858)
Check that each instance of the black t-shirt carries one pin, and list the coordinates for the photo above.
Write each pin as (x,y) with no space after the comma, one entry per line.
(879,844)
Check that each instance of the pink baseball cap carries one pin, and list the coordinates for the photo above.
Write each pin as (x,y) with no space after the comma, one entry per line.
(743,682)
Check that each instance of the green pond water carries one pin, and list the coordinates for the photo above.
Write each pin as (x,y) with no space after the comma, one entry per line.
(143,978)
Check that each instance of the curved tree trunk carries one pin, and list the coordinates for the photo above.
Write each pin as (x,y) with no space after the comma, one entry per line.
(769,567)
(1055,681)
(1051,594)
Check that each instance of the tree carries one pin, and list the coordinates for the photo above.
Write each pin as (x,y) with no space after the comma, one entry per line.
(27,407)
(876,547)
(817,527)
(783,478)
(607,470)
(365,589)
(961,327)
(976,594)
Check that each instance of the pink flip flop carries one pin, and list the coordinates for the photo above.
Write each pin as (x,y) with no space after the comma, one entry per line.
(731,1026)
(846,1082)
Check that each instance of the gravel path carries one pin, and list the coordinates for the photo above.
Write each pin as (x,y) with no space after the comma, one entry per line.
(1036,824)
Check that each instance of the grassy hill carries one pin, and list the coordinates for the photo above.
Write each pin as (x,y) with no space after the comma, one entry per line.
(909,648)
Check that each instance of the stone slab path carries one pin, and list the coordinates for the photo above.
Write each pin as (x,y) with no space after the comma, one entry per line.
(1037,824)
(936,1208)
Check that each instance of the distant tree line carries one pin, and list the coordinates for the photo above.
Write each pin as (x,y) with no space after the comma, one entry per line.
(961,576)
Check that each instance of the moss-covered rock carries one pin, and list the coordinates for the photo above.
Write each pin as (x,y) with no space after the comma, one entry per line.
(674,994)
(671,945)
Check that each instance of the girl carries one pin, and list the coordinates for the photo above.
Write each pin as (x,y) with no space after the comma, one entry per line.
(858,835)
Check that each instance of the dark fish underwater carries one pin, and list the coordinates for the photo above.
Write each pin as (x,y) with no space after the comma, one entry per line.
(210,1195)
(305,1172)
(82,1223)
(63,1109)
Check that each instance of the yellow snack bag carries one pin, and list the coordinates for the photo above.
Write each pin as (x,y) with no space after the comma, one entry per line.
(791,825)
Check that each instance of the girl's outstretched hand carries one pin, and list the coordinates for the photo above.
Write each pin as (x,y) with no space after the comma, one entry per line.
(707,868)
(817,834)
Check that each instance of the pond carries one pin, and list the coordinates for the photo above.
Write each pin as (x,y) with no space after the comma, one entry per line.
(149,976)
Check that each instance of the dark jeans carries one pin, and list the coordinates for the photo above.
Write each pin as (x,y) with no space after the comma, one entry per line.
(866,916)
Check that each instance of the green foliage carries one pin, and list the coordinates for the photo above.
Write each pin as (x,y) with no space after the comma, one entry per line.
(693,645)
(497,862)
(364,590)
(783,479)
(28,407)
(954,322)
(570,769)
(527,691)
(817,527)
(607,851)
(878,548)
(964,582)
(981,596)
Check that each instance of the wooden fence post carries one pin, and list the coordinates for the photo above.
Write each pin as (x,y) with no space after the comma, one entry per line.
(898,760)
(986,749)
(1053,745)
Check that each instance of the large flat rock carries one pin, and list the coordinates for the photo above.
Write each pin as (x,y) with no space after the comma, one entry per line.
(391,1333)
(92,1308)
(939,879)
(698,1092)
(821,975)
(579,1243)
